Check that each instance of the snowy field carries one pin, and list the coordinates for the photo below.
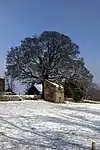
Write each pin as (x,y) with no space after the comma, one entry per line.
(39,125)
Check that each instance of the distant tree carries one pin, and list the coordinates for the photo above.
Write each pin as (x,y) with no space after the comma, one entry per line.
(93,92)
(79,81)
(9,82)
(81,74)
(50,56)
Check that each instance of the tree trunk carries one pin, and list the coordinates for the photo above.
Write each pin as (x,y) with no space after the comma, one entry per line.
(44,78)
(42,90)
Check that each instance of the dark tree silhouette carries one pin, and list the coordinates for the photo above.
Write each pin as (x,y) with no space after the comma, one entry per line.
(50,56)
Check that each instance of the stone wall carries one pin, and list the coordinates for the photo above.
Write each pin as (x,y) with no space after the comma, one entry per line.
(52,92)
(59,94)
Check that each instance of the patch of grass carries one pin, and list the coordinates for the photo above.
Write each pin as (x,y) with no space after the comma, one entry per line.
(3,99)
(35,97)
(8,98)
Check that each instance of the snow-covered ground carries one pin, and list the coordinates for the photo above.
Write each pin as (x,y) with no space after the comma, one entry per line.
(40,125)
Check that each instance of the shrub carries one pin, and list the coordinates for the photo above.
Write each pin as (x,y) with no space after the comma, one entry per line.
(74,90)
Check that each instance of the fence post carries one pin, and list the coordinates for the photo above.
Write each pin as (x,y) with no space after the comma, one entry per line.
(93,146)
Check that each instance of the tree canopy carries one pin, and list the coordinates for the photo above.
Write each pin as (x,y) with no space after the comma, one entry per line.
(51,55)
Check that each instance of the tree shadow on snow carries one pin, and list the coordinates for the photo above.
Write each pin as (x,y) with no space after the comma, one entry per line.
(40,139)
(85,110)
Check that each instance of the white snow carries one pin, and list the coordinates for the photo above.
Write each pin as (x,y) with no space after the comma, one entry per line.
(39,87)
(57,85)
(40,125)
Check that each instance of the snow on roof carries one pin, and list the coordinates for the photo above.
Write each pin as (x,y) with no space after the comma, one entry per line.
(39,87)
(57,85)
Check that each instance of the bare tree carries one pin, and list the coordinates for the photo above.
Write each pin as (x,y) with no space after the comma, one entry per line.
(48,56)
(9,82)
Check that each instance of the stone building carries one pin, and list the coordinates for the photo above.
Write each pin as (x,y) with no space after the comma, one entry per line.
(53,92)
